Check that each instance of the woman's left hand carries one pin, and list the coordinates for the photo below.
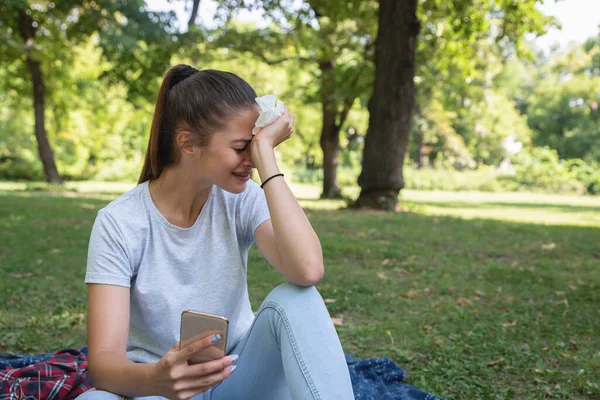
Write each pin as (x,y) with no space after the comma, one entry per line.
(276,132)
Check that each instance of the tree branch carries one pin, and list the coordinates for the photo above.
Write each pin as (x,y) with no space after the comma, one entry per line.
(348,101)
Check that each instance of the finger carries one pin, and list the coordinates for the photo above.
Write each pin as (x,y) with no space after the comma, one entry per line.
(276,122)
(198,346)
(283,117)
(207,381)
(175,347)
(209,367)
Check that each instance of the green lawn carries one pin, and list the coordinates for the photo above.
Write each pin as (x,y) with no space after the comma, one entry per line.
(490,296)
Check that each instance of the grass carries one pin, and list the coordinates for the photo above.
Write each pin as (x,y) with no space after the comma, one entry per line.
(478,296)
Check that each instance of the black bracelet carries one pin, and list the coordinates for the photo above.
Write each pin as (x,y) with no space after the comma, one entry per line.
(268,179)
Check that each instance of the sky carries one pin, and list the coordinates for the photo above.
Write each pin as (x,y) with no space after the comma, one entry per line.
(580,19)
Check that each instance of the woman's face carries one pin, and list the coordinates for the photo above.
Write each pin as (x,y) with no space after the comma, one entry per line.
(226,161)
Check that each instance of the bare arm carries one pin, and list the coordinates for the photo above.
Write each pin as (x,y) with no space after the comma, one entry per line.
(108,328)
(110,370)
(288,240)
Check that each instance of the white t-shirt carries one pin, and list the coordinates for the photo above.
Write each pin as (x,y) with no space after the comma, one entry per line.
(170,269)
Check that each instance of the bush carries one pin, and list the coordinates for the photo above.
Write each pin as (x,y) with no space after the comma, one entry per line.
(540,168)
(119,171)
(482,179)
(346,176)
(586,173)
(16,169)
(306,175)
(535,169)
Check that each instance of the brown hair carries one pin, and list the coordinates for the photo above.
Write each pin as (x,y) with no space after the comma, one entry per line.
(197,101)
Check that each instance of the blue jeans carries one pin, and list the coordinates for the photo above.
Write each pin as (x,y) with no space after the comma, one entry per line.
(291,351)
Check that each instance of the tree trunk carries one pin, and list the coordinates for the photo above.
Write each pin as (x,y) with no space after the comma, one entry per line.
(330,134)
(194,14)
(391,105)
(44,150)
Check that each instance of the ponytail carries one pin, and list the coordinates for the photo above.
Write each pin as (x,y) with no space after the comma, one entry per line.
(159,152)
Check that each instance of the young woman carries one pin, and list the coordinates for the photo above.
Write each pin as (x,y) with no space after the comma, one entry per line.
(179,240)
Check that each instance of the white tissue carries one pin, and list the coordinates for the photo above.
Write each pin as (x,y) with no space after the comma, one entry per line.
(270,109)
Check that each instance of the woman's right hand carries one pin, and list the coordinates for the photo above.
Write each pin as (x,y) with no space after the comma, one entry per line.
(174,378)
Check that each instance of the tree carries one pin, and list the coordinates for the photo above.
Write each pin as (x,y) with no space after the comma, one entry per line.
(41,34)
(436,142)
(26,27)
(391,104)
(563,108)
(558,95)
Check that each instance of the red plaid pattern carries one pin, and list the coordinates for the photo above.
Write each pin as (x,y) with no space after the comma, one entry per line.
(63,376)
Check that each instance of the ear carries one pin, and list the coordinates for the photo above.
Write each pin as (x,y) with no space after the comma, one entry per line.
(185,143)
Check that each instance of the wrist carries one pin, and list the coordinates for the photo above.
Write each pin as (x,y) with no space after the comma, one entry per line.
(150,377)
(265,181)
(264,159)
(262,147)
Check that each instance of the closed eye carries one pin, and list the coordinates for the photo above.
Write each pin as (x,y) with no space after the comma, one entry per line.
(244,142)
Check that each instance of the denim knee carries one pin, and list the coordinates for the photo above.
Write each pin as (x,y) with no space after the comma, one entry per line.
(288,295)
(95,394)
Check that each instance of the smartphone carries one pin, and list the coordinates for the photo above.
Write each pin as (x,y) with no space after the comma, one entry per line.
(195,326)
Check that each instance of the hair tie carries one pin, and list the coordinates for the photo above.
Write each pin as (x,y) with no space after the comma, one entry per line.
(268,179)
(182,74)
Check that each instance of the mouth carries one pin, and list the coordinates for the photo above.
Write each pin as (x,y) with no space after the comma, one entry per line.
(243,176)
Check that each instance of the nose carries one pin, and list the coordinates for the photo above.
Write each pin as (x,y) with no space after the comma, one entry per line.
(248,158)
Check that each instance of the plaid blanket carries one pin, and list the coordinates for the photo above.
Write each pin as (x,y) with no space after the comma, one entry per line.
(63,375)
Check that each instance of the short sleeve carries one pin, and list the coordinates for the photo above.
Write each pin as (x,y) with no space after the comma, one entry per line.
(108,260)
(254,211)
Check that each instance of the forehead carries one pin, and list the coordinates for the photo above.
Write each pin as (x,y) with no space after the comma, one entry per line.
(239,126)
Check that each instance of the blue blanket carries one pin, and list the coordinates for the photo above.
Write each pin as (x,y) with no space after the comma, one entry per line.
(372,378)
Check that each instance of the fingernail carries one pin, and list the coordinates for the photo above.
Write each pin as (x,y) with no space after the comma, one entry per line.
(232,368)
(215,338)
(234,358)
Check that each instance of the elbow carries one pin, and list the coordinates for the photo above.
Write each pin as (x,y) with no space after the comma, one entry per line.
(314,274)
(97,370)
(93,372)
